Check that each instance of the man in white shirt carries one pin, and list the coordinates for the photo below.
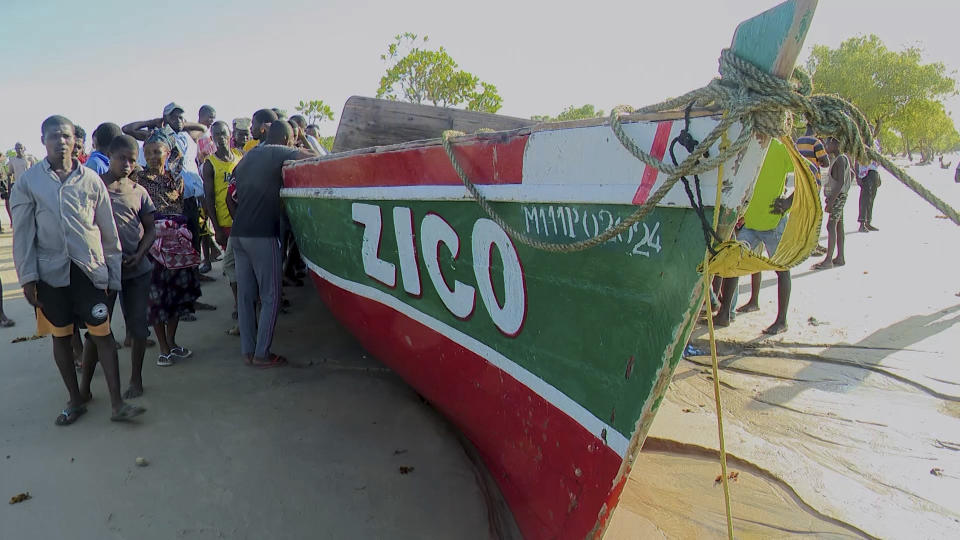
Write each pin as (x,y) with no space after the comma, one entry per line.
(67,253)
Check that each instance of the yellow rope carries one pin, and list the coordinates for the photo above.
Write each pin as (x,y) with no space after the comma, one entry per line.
(707,279)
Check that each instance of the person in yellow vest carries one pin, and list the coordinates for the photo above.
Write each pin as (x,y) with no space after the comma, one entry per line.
(763,224)
(216,172)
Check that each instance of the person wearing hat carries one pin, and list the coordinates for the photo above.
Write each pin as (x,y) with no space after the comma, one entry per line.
(241,133)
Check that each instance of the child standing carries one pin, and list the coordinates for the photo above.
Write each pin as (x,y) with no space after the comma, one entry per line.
(133,213)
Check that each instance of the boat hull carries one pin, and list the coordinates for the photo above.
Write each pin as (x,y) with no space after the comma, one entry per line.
(551,363)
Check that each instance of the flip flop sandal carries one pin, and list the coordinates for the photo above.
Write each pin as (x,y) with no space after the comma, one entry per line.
(181,352)
(127,413)
(235,331)
(70,415)
(7,323)
(275,361)
(164,360)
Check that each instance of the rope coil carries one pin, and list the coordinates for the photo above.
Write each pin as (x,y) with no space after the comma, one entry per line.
(762,103)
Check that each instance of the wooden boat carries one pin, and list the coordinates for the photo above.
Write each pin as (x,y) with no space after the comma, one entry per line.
(552,364)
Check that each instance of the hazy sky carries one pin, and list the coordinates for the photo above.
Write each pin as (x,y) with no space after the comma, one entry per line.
(123,60)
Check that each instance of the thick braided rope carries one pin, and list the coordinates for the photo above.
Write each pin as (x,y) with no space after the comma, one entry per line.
(760,102)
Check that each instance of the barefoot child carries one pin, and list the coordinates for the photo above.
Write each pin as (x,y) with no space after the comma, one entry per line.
(68,257)
(133,213)
(835,187)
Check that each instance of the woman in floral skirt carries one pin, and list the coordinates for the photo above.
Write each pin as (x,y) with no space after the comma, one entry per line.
(172,291)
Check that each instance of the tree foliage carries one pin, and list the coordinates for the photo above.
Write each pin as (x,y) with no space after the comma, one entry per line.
(880,82)
(571,113)
(315,111)
(421,75)
(924,126)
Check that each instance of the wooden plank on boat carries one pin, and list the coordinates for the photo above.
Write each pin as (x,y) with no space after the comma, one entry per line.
(773,39)
(367,122)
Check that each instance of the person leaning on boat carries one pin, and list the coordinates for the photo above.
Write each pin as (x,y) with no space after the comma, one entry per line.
(258,228)
(763,223)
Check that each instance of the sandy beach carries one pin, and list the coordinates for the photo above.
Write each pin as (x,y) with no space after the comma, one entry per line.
(846,426)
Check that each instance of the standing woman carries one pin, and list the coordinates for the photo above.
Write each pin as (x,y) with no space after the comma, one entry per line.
(172,291)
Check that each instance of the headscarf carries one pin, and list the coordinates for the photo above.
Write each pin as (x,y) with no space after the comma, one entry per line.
(162,136)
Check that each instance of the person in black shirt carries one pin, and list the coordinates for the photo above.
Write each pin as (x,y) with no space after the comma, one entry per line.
(257,232)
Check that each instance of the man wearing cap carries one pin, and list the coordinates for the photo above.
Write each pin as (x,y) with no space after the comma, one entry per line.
(241,133)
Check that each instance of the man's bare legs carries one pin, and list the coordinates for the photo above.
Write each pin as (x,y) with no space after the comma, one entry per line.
(784,287)
(754,303)
(102,350)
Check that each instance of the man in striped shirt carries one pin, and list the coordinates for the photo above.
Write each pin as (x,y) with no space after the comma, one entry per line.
(811,148)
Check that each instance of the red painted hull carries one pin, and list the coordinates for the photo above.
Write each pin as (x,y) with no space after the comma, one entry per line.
(553,473)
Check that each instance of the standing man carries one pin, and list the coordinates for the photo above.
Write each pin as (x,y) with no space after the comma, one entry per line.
(217,172)
(811,148)
(835,188)
(259,127)
(18,165)
(763,224)
(241,133)
(102,137)
(67,253)
(868,178)
(256,235)
(80,150)
(205,145)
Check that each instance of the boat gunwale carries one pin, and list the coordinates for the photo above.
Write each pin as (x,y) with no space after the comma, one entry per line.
(632,118)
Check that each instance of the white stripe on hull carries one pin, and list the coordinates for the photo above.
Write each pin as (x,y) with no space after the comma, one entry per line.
(578,165)
(614,439)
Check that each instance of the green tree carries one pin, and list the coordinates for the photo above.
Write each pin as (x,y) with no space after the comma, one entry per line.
(924,126)
(327,142)
(315,111)
(571,113)
(421,75)
(880,82)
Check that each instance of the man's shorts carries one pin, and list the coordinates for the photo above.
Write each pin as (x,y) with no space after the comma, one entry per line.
(229,262)
(80,302)
(835,211)
(133,302)
(770,239)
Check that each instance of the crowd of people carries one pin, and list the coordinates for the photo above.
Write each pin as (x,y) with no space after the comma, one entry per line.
(765,218)
(141,219)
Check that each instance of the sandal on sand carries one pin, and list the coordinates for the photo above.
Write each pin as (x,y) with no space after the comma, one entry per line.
(275,361)
(127,413)
(70,415)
